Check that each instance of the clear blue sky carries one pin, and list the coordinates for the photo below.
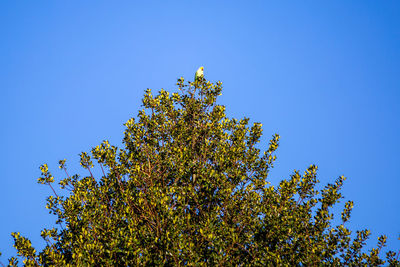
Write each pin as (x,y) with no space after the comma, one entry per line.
(325,75)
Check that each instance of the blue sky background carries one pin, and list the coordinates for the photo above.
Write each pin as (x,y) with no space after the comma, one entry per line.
(325,75)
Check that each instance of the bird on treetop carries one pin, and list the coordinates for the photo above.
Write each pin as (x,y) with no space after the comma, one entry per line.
(199,74)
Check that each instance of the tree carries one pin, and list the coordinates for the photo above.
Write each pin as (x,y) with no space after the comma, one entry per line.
(190,187)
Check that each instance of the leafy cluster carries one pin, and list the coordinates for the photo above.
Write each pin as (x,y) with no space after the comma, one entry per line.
(189,187)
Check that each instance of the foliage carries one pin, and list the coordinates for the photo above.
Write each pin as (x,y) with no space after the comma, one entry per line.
(190,187)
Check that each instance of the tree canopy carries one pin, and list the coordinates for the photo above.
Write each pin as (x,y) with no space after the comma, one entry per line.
(189,186)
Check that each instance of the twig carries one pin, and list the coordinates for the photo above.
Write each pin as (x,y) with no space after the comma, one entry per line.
(53,189)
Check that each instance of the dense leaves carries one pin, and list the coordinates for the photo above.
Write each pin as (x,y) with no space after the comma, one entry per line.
(190,187)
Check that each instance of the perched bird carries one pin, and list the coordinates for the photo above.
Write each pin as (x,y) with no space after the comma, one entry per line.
(199,74)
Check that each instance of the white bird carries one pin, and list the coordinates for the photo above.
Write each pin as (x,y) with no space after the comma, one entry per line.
(199,74)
